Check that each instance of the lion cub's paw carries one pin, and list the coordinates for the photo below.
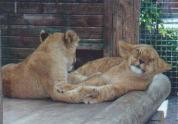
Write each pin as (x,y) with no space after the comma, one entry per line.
(63,87)
(89,95)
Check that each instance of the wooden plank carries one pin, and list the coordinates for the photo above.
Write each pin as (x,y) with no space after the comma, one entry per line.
(5,61)
(32,31)
(90,46)
(16,53)
(108,16)
(83,56)
(20,41)
(59,1)
(6,7)
(60,8)
(56,20)
(33,42)
(136,15)
(21,53)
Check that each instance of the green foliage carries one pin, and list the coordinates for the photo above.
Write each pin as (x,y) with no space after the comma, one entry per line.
(150,19)
(150,14)
(164,40)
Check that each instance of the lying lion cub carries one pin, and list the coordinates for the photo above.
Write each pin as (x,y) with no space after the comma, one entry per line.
(135,72)
(39,74)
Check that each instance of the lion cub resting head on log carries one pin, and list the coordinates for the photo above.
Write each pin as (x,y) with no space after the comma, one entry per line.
(38,75)
(141,63)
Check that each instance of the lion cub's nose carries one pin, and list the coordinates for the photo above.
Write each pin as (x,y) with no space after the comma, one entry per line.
(141,61)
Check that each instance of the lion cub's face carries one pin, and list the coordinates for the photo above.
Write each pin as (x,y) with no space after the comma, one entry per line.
(71,40)
(143,59)
(65,42)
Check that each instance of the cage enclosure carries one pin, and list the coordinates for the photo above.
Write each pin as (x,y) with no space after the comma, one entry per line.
(159,27)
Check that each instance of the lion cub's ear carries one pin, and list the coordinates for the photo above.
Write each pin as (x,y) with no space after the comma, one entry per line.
(163,66)
(43,35)
(125,49)
(71,38)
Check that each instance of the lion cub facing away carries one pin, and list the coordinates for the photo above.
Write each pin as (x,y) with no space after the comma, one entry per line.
(135,72)
(38,75)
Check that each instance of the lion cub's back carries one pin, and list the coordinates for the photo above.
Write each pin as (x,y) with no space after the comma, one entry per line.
(99,65)
(19,84)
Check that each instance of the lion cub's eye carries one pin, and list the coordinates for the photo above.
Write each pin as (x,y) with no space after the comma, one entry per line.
(138,51)
(141,61)
(151,60)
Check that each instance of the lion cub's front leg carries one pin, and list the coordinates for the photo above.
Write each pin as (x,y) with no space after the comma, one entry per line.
(76,77)
(89,94)
(64,87)
(80,94)
(97,94)
(93,80)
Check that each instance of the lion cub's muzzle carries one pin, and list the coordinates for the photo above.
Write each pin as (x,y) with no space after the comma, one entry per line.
(137,69)
(70,68)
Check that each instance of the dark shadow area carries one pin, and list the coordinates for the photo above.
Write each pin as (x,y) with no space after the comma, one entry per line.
(84,56)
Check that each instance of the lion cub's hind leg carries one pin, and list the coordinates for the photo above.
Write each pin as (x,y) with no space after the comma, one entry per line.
(94,80)
(81,94)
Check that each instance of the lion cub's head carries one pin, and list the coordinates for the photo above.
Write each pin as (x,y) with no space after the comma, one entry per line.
(143,59)
(64,44)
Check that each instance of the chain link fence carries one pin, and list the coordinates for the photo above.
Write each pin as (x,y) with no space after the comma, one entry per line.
(159,27)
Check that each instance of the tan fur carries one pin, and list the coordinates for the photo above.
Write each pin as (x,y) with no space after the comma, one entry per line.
(39,74)
(93,68)
(135,72)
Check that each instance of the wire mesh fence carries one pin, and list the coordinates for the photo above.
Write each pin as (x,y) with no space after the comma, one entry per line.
(159,27)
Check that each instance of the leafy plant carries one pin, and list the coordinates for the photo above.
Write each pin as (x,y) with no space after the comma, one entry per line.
(150,19)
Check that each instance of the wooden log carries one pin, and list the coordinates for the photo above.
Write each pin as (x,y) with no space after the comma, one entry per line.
(108,16)
(56,20)
(157,118)
(135,107)
(60,8)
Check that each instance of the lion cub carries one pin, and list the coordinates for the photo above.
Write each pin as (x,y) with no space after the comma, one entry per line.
(39,74)
(141,63)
